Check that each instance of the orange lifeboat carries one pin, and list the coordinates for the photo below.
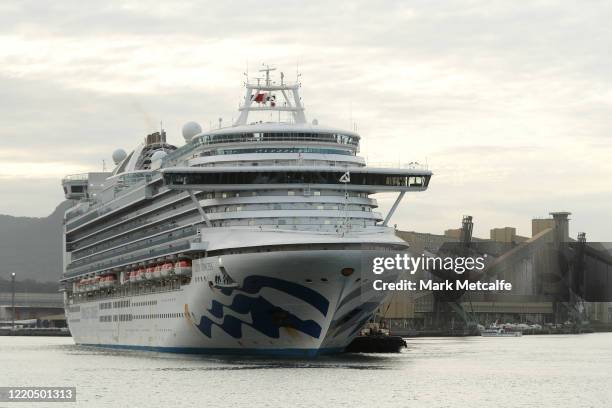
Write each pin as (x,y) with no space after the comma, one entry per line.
(183,267)
(157,272)
(167,269)
(149,272)
(140,274)
(109,281)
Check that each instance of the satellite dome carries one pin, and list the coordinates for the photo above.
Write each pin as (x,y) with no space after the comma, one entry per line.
(119,155)
(315,122)
(158,155)
(190,129)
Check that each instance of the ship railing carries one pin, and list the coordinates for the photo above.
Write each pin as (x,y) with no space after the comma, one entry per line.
(134,246)
(203,140)
(100,208)
(285,163)
(129,289)
(76,177)
(175,248)
(396,165)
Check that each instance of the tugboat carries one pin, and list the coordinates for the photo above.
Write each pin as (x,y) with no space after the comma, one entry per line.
(375,339)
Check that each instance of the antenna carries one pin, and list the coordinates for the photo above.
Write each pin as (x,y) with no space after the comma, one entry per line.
(103,165)
(267,70)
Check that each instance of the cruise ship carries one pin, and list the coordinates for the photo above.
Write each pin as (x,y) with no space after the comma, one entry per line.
(254,238)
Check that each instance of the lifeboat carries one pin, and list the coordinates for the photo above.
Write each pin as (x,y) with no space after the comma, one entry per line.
(149,272)
(132,276)
(157,272)
(108,281)
(140,274)
(167,269)
(183,267)
(95,285)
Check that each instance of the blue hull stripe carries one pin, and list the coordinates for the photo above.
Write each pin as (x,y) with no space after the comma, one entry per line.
(288,352)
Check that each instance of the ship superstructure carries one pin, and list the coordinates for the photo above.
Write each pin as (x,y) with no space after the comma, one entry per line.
(248,239)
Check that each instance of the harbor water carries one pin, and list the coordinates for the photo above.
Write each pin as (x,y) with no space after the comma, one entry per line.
(543,371)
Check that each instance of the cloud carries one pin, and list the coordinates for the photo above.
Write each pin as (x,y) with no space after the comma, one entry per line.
(510,106)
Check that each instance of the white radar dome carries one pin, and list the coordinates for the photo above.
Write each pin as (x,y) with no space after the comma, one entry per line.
(119,155)
(158,155)
(315,122)
(190,129)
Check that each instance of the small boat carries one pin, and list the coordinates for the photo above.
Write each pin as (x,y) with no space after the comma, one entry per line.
(183,267)
(499,332)
(140,274)
(375,339)
(167,269)
(149,272)
(157,272)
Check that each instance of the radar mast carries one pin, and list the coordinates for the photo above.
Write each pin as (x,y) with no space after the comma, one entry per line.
(263,97)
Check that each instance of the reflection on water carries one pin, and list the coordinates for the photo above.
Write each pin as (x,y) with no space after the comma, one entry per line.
(564,371)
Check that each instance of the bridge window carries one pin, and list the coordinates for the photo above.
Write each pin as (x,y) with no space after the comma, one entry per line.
(296,177)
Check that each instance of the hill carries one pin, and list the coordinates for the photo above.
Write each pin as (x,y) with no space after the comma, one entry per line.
(32,247)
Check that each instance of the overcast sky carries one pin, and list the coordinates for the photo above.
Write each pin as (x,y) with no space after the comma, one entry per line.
(509,103)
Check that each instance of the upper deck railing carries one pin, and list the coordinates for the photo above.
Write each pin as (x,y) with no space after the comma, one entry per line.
(261,137)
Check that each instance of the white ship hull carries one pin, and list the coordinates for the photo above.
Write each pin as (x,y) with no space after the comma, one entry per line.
(287,303)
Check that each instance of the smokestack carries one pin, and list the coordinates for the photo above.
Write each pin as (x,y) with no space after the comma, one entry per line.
(561,232)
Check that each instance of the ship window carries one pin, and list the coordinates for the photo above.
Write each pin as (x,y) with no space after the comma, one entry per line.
(301,177)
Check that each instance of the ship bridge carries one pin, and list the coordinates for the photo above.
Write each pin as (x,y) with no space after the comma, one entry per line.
(372,180)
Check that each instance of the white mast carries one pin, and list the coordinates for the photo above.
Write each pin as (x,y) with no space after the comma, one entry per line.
(264,100)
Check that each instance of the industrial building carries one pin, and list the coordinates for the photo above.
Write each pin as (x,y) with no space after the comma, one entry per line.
(556,280)
(32,309)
